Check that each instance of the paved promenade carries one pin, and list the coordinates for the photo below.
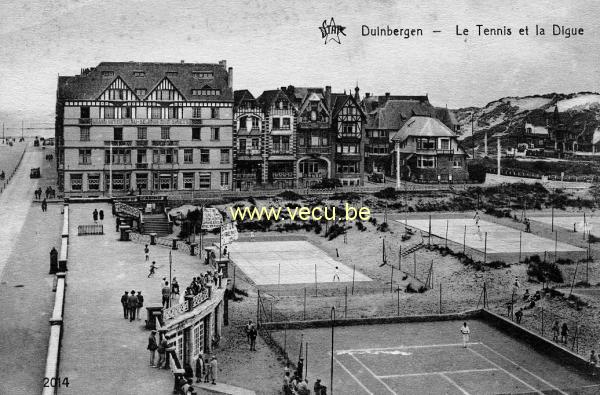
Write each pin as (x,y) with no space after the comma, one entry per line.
(102,353)
(26,237)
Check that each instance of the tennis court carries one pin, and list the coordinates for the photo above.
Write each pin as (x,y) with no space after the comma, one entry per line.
(289,262)
(500,239)
(588,224)
(428,358)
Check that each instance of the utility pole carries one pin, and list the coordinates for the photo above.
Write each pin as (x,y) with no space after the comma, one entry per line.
(21,128)
(473,133)
(498,155)
(110,161)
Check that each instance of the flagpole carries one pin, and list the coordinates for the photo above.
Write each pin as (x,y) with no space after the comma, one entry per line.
(110,160)
(220,240)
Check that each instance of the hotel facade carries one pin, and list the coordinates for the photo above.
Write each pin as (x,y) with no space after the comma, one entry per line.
(146,127)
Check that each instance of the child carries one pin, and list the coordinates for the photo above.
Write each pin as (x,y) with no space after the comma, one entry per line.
(147,252)
(152,269)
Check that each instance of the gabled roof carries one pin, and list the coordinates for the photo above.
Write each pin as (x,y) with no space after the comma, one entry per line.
(396,112)
(269,97)
(241,96)
(145,75)
(421,126)
(372,103)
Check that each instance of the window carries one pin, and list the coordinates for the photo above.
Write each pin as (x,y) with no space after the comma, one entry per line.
(202,74)
(164,155)
(347,167)
(116,94)
(286,123)
(445,144)
(188,180)
(313,115)
(155,113)
(120,156)
(85,156)
(141,181)
(242,145)
(195,133)
(141,156)
(165,94)
(224,156)
(173,112)
(276,123)
(139,73)
(425,143)
(205,92)
(255,143)
(76,182)
(109,112)
(282,105)
(349,129)
(108,73)
(142,133)
(224,179)
(140,92)
(118,134)
(457,162)
(197,112)
(204,181)
(126,112)
(188,155)
(214,112)
(347,149)
(171,73)
(204,156)
(285,143)
(85,112)
(309,167)
(84,133)
(93,182)
(119,181)
(314,141)
(426,161)
(165,133)
(214,134)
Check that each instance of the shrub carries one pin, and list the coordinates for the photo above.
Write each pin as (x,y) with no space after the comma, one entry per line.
(383,227)
(252,201)
(327,183)
(334,231)
(387,193)
(360,226)
(476,172)
(290,195)
(543,271)
(318,228)
(593,239)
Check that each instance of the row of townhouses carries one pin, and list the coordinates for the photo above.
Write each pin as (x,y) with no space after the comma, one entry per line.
(157,127)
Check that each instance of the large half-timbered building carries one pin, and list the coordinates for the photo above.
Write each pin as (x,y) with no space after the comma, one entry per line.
(125,126)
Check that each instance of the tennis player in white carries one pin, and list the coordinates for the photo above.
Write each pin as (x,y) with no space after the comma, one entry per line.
(465,334)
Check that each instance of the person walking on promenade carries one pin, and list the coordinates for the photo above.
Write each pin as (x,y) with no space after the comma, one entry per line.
(336,275)
(555,331)
(214,367)
(564,333)
(199,368)
(162,353)
(166,293)
(175,289)
(247,328)
(147,252)
(253,335)
(206,370)
(44,205)
(132,302)
(95,216)
(152,346)
(152,269)
(140,304)
(101,216)
(466,332)
(124,298)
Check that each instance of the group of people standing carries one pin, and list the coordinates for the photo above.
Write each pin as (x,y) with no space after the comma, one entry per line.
(98,215)
(50,193)
(132,304)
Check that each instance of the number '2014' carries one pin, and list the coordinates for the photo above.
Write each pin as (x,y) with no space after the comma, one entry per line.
(56,382)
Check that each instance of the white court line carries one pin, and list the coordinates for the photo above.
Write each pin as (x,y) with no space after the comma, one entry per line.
(350,351)
(504,370)
(525,370)
(373,374)
(353,376)
(391,376)
(461,389)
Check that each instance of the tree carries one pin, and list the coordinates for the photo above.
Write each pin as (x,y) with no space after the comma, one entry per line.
(595,192)
(477,172)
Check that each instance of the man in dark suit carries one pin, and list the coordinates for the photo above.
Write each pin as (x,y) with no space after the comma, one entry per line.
(132,302)
(124,303)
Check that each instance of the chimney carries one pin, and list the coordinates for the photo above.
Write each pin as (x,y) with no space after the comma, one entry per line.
(230,77)
(356,95)
(367,95)
(387,94)
(182,61)
(223,63)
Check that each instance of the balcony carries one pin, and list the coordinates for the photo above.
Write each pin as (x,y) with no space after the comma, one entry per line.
(313,175)
(243,131)
(281,152)
(445,152)
(247,176)
(249,154)
(165,143)
(141,165)
(85,121)
(141,142)
(119,143)
(196,121)
(131,122)
(315,149)
(281,130)
(282,174)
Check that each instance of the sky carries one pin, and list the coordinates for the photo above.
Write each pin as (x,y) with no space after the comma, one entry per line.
(275,43)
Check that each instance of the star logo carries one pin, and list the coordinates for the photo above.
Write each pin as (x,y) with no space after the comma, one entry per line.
(331,31)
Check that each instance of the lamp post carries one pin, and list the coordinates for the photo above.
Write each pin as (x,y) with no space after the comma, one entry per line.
(332,343)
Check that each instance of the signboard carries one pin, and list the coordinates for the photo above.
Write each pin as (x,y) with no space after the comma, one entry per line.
(211,218)
(229,233)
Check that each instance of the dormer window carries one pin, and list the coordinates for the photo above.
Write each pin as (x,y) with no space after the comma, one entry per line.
(108,73)
(140,92)
(206,91)
(171,73)
(139,73)
(313,115)
(282,105)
